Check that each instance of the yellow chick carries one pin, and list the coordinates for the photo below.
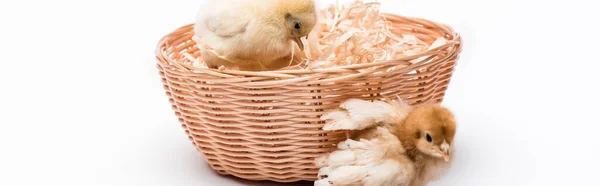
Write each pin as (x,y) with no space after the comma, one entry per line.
(425,133)
(253,35)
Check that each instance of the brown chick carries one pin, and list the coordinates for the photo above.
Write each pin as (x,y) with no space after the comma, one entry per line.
(427,134)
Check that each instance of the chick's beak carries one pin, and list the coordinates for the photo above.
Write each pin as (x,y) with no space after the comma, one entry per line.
(298,41)
(445,148)
(446,156)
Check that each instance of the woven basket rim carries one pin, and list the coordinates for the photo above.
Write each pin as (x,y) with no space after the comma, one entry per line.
(453,40)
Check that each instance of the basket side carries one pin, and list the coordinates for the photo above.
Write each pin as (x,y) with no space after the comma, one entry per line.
(253,133)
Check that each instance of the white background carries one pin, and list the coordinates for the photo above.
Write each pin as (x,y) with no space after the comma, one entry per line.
(81,102)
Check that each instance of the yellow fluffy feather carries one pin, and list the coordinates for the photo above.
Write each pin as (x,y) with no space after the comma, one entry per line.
(254,35)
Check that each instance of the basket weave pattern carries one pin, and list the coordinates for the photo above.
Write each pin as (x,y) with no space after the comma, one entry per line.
(266,126)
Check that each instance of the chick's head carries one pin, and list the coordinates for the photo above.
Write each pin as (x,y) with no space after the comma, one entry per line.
(435,129)
(300,18)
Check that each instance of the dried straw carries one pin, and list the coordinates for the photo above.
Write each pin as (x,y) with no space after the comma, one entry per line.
(357,34)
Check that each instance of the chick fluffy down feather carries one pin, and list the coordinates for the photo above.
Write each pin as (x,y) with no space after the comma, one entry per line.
(374,162)
(242,34)
(357,114)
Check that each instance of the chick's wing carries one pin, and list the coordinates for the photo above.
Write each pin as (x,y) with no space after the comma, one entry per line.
(357,114)
(225,18)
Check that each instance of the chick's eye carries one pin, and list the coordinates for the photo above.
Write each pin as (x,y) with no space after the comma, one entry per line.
(428,137)
(297,25)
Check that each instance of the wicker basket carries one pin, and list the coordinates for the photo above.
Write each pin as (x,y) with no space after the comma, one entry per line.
(266,126)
